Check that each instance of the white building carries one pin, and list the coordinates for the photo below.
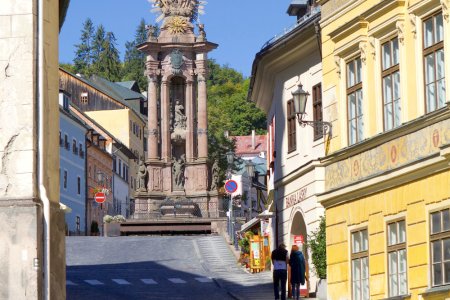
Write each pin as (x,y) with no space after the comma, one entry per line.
(294,178)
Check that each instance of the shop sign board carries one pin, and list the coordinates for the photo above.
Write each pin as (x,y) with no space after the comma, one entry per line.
(299,240)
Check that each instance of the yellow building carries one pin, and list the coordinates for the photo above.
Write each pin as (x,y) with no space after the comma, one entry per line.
(387,172)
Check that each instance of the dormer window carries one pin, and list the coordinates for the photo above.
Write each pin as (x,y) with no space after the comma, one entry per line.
(84,98)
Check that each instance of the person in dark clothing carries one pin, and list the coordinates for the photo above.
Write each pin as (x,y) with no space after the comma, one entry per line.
(280,261)
(297,263)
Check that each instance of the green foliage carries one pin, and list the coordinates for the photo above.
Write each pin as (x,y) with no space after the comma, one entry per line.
(97,53)
(228,108)
(318,246)
(107,64)
(134,62)
(68,67)
(244,243)
(83,53)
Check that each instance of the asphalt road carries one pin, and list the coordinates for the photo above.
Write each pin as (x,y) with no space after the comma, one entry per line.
(152,267)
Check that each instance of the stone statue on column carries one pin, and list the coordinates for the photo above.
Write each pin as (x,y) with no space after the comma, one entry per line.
(178,170)
(142,177)
(179,116)
(215,175)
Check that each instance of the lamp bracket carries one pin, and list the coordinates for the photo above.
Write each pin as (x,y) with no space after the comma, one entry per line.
(326,126)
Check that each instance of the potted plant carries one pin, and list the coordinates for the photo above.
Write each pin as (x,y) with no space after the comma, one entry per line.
(94,228)
(112,225)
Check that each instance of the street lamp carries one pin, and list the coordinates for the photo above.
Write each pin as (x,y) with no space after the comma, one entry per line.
(250,168)
(300,97)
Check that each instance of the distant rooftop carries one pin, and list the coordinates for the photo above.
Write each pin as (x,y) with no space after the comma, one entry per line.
(244,145)
(311,14)
(131,85)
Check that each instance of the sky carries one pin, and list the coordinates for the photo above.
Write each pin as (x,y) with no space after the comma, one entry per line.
(240,27)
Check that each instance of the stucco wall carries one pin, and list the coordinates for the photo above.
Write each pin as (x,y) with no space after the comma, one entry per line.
(21,250)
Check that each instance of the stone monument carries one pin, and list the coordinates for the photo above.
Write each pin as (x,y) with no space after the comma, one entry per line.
(176,69)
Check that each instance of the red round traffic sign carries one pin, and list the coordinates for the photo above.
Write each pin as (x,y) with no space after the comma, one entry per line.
(100,197)
(231,186)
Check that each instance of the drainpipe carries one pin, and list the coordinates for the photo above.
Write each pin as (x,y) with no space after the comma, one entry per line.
(40,135)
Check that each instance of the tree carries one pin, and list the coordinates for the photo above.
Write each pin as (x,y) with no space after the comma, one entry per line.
(83,53)
(107,65)
(134,62)
(228,108)
(318,244)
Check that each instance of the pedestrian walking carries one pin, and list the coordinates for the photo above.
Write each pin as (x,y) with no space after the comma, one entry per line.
(280,260)
(297,263)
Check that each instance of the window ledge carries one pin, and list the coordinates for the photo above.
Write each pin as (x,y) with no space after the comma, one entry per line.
(437,290)
(401,297)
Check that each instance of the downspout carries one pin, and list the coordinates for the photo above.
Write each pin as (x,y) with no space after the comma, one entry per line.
(40,173)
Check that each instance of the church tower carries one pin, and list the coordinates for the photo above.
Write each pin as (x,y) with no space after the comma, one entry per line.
(176,172)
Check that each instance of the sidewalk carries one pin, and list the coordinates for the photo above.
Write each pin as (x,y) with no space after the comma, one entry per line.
(236,280)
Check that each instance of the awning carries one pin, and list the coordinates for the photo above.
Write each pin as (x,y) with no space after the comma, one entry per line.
(250,224)
(266,215)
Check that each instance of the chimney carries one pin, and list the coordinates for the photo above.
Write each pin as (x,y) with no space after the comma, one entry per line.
(253,140)
(226,133)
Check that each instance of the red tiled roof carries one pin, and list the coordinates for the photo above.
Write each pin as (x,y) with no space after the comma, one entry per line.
(244,144)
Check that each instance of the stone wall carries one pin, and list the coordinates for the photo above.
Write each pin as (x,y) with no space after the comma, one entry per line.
(21,209)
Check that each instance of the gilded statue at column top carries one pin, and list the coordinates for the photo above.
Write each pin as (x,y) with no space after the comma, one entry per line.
(182,8)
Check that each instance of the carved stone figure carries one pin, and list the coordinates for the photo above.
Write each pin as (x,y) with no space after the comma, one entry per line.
(184,8)
(179,117)
(178,170)
(215,175)
(142,177)
(150,29)
(201,32)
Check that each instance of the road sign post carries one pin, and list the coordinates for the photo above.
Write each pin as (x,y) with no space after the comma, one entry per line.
(231,186)
(100,197)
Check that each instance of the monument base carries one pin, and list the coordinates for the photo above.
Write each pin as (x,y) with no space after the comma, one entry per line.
(158,206)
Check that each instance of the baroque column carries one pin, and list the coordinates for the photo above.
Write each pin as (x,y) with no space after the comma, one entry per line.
(152,118)
(202,115)
(165,126)
(190,121)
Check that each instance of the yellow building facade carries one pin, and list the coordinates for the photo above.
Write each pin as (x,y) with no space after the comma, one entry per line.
(387,171)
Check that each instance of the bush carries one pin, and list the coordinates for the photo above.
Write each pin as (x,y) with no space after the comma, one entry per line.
(115,219)
(318,245)
(107,219)
(119,219)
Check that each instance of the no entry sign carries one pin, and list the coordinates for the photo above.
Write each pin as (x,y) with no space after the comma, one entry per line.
(231,186)
(100,197)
